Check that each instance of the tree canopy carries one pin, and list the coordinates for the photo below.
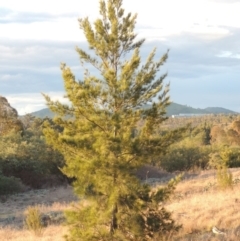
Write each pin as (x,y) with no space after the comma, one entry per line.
(106,134)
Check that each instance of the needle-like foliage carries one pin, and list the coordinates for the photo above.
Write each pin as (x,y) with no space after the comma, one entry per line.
(109,131)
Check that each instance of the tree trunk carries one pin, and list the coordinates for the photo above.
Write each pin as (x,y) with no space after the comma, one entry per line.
(114,223)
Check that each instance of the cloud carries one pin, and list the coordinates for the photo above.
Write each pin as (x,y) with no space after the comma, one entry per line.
(193,67)
(53,6)
(7,77)
(45,21)
(30,102)
(34,66)
(228,54)
(24,17)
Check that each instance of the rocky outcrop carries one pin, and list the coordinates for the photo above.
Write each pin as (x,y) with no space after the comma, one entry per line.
(8,118)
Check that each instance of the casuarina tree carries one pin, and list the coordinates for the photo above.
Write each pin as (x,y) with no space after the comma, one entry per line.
(107,132)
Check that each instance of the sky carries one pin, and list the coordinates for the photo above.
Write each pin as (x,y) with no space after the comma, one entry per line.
(202,35)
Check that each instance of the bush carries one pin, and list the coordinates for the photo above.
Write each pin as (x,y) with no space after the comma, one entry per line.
(229,156)
(30,159)
(10,185)
(220,161)
(232,156)
(33,220)
(185,158)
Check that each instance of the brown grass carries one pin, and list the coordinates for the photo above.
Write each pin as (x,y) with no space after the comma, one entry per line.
(51,233)
(198,204)
(13,210)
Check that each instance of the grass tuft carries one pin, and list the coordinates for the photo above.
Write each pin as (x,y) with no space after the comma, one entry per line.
(33,220)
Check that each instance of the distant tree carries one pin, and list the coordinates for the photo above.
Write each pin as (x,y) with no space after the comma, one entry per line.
(185,158)
(218,135)
(236,126)
(108,135)
(233,137)
(27,120)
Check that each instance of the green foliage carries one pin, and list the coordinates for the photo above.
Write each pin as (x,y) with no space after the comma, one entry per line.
(233,157)
(185,158)
(225,156)
(204,135)
(220,162)
(108,135)
(150,219)
(29,158)
(33,220)
(10,185)
(200,143)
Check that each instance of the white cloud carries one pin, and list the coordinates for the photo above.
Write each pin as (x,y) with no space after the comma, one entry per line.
(228,54)
(53,6)
(61,30)
(6,77)
(29,102)
(203,18)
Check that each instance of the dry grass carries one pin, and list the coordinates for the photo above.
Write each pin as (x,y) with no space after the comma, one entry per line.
(13,210)
(198,204)
(51,233)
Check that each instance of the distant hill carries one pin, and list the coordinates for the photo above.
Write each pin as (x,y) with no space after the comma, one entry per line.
(173,109)
(43,113)
(219,110)
(176,109)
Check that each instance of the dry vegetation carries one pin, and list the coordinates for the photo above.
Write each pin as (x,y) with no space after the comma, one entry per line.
(12,213)
(198,204)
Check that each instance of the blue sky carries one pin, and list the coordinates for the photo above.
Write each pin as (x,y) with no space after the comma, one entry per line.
(202,35)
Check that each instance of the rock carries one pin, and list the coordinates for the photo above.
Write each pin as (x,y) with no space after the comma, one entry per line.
(8,118)
(217,231)
(53,217)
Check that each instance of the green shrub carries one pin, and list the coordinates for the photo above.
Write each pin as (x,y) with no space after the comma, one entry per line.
(232,156)
(9,185)
(229,156)
(33,220)
(220,162)
(29,158)
(185,158)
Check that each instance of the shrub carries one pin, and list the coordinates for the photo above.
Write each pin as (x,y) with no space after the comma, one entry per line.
(220,161)
(30,159)
(185,158)
(33,220)
(10,185)
(229,156)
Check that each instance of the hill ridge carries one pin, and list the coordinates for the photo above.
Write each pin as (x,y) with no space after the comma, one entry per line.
(172,109)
